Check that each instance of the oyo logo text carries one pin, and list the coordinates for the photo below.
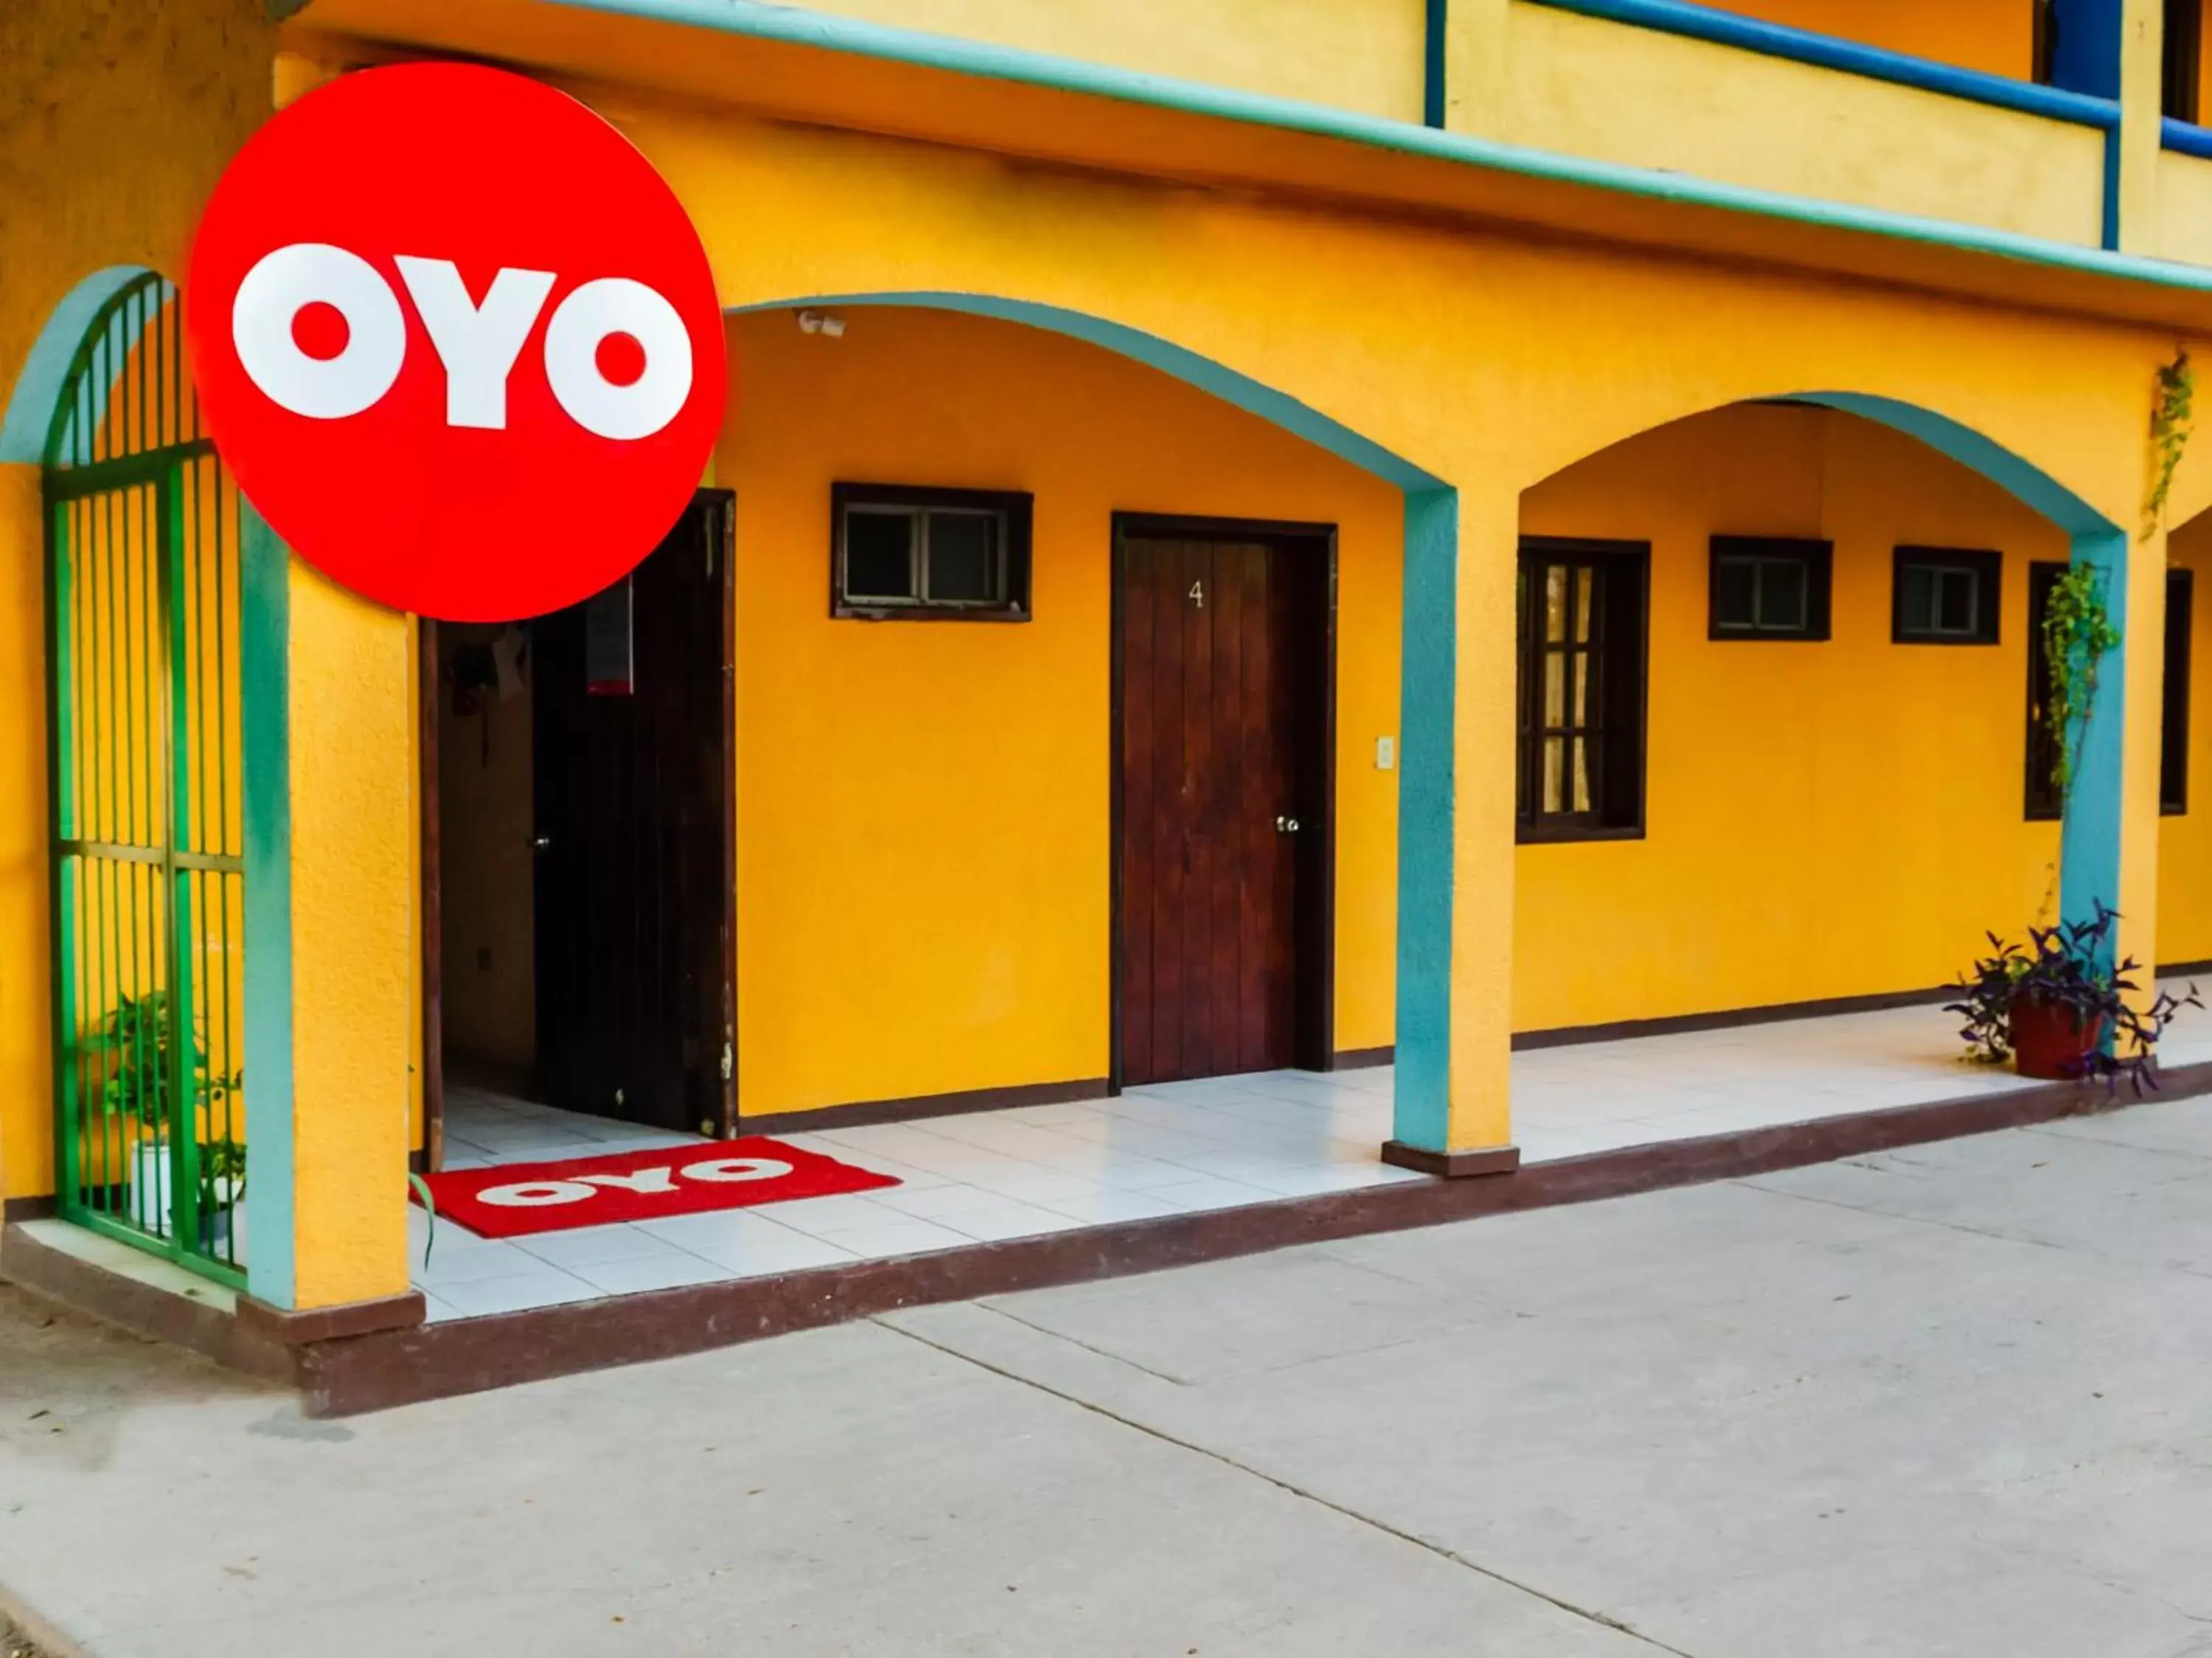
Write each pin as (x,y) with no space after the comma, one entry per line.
(456,340)
(657,1181)
(617,357)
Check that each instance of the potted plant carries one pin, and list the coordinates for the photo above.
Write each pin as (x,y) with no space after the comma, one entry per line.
(136,1036)
(223,1197)
(2060,1009)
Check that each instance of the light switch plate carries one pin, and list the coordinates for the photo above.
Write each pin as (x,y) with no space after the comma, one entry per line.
(1386,754)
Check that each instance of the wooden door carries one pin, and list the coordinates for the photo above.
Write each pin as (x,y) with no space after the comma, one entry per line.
(635,894)
(1223,805)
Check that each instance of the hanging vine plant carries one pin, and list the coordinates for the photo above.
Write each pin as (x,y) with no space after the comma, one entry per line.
(2077,625)
(2077,635)
(2172,416)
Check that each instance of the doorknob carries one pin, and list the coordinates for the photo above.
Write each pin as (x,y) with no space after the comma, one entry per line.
(1286,825)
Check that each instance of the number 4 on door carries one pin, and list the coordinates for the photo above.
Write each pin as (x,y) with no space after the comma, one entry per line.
(1197,594)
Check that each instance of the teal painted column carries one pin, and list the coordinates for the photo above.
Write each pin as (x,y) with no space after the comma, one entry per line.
(2092,834)
(265,651)
(1427,753)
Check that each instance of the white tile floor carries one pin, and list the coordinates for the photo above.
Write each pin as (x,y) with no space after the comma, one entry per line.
(1174,1150)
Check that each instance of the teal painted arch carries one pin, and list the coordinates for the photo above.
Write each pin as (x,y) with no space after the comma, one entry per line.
(2090,852)
(1428,655)
(2017,476)
(1278,408)
(35,402)
(2090,834)
(2013,472)
(1427,786)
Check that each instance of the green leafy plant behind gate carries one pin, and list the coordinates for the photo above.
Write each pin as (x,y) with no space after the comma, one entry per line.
(137,1032)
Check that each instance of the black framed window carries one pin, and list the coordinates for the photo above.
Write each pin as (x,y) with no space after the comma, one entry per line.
(2042,801)
(2184,37)
(1582,671)
(2173,738)
(905,552)
(1945,596)
(1768,587)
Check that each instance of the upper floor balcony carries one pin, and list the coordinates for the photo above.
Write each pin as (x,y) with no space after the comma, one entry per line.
(2013,115)
(2069,121)
(1955,111)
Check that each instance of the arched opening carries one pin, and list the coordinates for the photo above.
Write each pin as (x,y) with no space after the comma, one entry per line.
(937,904)
(1781,752)
(147,864)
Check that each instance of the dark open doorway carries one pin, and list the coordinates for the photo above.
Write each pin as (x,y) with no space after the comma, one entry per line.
(1224,812)
(579,865)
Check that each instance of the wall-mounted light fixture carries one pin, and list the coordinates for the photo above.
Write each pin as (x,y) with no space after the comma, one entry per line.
(822,322)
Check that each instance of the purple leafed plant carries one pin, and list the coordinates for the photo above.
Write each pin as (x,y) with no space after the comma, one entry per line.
(2066,967)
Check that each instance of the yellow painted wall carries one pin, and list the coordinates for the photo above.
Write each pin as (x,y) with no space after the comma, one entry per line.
(1995,36)
(2184,208)
(1798,792)
(489,891)
(1365,55)
(1823,820)
(1491,361)
(2184,867)
(2204,63)
(114,120)
(26,1141)
(355,978)
(924,846)
(1592,87)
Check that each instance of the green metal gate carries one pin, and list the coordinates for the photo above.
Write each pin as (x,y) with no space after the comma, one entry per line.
(143,749)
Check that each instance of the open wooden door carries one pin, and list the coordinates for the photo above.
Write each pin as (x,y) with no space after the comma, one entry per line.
(634,782)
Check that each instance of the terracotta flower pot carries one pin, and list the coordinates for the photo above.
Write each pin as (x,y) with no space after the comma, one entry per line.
(2050,1040)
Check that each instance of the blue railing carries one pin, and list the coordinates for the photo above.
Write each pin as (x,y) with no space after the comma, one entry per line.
(2185,137)
(1873,63)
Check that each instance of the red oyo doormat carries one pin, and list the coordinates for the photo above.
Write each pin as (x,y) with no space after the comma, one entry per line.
(518,1199)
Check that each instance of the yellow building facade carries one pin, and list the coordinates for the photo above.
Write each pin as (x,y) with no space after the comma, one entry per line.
(1620,375)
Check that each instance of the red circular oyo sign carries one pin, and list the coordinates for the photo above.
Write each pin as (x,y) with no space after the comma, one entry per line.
(457,341)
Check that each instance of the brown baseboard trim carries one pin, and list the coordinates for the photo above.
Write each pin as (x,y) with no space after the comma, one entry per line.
(207,1328)
(1452,1165)
(1362,1058)
(373,1372)
(287,1327)
(28,1209)
(865,1112)
(1774,1013)
(2183,969)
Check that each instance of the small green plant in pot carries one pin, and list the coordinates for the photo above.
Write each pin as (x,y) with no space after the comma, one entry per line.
(2060,1009)
(135,1036)
(222,1196)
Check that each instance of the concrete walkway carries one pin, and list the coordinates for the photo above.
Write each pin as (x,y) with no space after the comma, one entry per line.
(1955,1400)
